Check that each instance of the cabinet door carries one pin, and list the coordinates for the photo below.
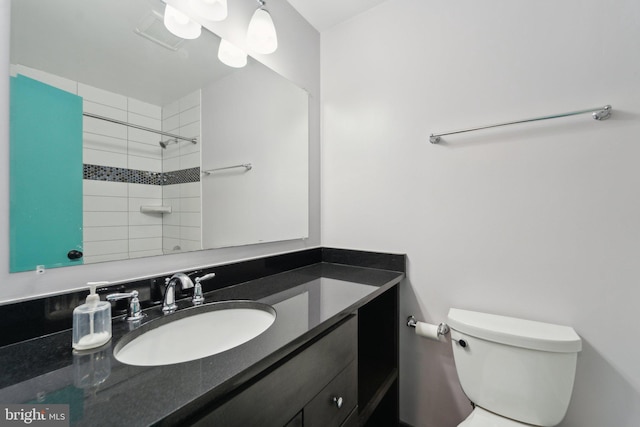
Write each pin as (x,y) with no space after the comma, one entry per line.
(45,176)
(275,399)
(296,421)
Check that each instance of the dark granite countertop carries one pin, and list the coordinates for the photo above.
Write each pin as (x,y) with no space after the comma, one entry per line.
(102,391)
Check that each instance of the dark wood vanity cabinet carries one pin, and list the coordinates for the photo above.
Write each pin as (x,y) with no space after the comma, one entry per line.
(346,377)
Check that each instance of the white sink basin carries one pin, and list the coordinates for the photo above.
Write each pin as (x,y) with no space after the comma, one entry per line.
(194,333)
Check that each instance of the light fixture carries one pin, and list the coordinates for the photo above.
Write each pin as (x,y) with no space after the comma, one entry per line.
(261,34)
(180,24)
(231,55)
(213,10)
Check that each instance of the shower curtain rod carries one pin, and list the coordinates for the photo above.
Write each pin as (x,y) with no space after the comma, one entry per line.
(131,125)
(598,113)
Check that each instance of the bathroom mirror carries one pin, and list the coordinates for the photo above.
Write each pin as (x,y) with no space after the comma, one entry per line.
(238,176)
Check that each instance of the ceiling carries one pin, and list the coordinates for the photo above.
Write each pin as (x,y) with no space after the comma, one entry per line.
(99,47)
(324,14)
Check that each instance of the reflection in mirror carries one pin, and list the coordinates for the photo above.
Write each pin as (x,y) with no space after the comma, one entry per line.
(101,96)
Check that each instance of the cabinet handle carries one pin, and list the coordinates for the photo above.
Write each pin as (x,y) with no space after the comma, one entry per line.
(337,401)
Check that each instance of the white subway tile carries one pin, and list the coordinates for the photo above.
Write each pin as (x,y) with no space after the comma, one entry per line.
(144,108)
(92,234)
(104,143)
(190,189)
(104,110)
(138,149)
(104,158)
(139,218)
(145,191)
(104,204)
(145,231)
(190,116)
(171,219)
(190,148)
(189,219)
(170,164)
(95,219)
(149,122)
(190,204)
(171,231)
(190,245)
(145,164)
(103,127)
(171,124)
(145,137)
(104,188)
(104,247)
(190,233)
(148,244)
(169,244)
(190,130)
(190,161)
(170,192)
(172,109)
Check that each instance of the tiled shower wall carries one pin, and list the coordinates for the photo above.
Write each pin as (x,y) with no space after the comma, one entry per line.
(181,229)
(114,227)
(123,170)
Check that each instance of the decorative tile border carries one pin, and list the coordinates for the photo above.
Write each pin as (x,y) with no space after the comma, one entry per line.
(181,177)
(133,176)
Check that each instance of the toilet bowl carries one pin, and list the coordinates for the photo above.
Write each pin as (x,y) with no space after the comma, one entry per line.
(516,372)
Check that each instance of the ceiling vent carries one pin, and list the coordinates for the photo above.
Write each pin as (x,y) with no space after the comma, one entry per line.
(152,27)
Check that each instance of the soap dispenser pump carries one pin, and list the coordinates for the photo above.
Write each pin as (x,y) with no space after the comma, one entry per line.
(92,321)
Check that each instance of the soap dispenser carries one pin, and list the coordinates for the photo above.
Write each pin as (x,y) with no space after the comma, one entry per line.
(92,321)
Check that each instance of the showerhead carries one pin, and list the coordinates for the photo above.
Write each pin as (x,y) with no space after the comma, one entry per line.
(164,144)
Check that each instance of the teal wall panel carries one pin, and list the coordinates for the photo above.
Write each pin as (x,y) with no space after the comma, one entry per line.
(45,175)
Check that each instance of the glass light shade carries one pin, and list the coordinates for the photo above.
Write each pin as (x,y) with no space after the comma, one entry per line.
(261,34)
(180,24)
(213,10)
(231,55)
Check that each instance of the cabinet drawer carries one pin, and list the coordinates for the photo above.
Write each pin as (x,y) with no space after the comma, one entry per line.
(275,399)
(323,410)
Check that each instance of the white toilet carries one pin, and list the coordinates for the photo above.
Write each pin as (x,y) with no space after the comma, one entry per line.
(516,372)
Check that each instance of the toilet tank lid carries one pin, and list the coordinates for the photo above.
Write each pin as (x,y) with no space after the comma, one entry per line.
(515,332)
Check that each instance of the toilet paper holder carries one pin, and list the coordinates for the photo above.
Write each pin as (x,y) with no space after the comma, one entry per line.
(443,328)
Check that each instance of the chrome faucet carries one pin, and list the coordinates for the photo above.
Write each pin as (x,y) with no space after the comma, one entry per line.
(169,303)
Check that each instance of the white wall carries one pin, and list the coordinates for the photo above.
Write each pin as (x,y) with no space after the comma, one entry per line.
(297,58)
(267,126)
(540,221)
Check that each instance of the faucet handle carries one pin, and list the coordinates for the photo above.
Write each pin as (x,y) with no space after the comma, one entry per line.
(134,310)
(205,277)
(198,298)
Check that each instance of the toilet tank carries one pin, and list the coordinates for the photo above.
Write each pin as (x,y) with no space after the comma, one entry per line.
(520,369)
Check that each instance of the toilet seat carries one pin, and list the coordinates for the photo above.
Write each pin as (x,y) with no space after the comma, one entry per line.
(482,418)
